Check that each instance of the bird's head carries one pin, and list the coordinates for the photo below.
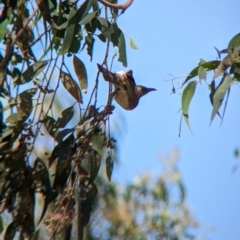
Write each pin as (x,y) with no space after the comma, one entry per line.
(144,90)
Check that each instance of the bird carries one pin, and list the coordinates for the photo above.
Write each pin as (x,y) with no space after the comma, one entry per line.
(127,93)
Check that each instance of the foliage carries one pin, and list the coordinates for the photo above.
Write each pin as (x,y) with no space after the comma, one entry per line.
(227,69)
(147,209)
(37,40)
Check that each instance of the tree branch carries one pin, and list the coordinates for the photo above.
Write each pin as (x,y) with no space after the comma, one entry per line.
(122,6)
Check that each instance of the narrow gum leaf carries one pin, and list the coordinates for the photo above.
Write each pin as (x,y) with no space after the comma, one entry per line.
(122,49)
(187,96)
(81,73)
(109,167)
(234,43)
(211,65)
(71,86)
(220,94)
(132,44)
(33,71)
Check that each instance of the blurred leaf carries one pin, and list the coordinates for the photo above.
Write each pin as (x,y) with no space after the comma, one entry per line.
(122,49)
(224,65)
(71,86)
(211,65)
(67,115)
(114,30)
(36,235)
(104,27)
(234,43)
(4,24)
(87,195)
(41,177)
(236,153)
(219,94)
(25,99)
(13,118)
(88,18)
(89,41)
(213,90)
(80,13)
(187,95)
(45,7)
(81,73)
(49,124)
(33,71)
(69,39)
(62,134)
(62,150)
(102,37)
(95,165)
(201,61)
(181,191)
(10,231)
(202,73)
(109,167)
(132,44)
(1,224)
(28,93)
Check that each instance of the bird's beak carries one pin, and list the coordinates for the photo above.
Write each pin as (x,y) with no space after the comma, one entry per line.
(151,89)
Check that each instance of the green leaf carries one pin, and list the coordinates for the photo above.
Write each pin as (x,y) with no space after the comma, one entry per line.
(36,235)
(62,134)
(102,37)
(71,86)
(28,93)
(25,99)
(69,38)
(81,73)
(67,115)
(88,18)
(109,167)
(181,190)
(219,94)
(187,95)
(13,118)
(234,43)
(132,44)
(1,224)
(49,124)
(114,30)
(122,49)
(3,25)
(89,41)
(95,165)
(62,151)
(33,71)
(41,178)
(81,12)
(104,27)
(11,231)
(202,73)
(211,65)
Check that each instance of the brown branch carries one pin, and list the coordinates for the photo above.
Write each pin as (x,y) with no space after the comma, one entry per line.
(122,6)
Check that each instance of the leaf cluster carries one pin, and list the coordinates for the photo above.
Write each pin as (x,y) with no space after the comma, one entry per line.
(226,69)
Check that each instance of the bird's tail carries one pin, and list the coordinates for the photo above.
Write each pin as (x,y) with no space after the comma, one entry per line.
(107,75)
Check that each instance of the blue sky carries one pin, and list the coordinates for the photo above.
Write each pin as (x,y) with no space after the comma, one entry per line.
(172,36)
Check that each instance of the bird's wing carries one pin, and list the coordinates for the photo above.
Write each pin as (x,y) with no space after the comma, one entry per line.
(129,74)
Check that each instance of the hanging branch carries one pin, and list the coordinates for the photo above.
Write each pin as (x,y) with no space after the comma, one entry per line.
(122,6)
